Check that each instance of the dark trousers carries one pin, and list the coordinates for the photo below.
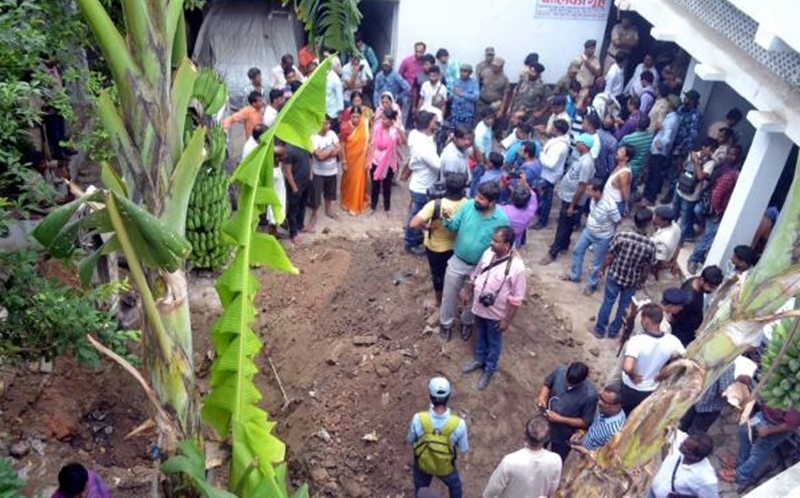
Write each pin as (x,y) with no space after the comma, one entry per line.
(545,202)
(560,448)
(415,237)
(564,229)
(489,344)
(296,209)
(631,398)
(377,186)
(694,422)
(452,481)
(438,265)
(657,167)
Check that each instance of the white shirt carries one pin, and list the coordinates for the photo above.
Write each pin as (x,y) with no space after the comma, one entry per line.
(424,162)
(651,354)
(667,240)
(248,147)
(334,95)
(525,473)
(428,92)
(454,160)
(634,86)
(277,78)
(615,80)
(364,75)
(328,167)
(270,114)
(699,479)
(553,156)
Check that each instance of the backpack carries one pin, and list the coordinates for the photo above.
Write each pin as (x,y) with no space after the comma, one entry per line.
(432,451)
(687,181)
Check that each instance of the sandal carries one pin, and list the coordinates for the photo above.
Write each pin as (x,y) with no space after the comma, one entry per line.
(588,290)
(727,475)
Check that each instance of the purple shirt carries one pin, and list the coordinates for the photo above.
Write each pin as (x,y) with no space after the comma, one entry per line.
(97,488)
(629,126)
(520,218)
(646,100)
(410,68)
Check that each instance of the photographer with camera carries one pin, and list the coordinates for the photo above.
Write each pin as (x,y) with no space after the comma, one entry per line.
(438,240)
(424,165)
(496,289)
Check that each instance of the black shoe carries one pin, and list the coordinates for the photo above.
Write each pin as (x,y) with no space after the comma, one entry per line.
(483,383)
(446,332)
(466,330)
(416,250)
(537,226)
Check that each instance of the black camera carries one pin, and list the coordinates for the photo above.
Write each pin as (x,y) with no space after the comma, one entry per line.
(513,169)
(436,191)
(487,299)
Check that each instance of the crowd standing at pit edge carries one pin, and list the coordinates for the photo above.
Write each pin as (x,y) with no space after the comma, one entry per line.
(485,160)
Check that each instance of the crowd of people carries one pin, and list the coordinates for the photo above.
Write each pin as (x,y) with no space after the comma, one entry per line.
(485,159)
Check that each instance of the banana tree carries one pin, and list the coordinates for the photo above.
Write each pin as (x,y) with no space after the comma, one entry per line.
(734,320)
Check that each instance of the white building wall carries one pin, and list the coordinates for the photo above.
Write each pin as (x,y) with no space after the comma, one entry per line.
(466,27)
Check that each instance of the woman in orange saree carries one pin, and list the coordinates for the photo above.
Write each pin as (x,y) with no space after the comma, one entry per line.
(355,137)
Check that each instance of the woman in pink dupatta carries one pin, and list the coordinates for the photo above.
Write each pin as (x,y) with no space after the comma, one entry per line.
(383,151)
(387,102)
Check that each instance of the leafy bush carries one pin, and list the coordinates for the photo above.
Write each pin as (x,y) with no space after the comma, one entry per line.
(10,483)
(47,319)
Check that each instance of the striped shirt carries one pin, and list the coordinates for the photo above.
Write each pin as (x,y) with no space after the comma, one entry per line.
(602,430)
(712,400)
(603,217)
(640,141)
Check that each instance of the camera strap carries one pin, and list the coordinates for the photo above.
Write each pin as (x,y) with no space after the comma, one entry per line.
(497,262)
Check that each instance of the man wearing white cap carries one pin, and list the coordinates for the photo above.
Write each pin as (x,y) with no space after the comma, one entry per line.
(436,434)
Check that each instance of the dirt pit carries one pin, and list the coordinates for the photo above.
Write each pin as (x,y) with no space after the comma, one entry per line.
(348,339)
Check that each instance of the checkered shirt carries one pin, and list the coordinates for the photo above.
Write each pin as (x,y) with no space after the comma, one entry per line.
(634,254)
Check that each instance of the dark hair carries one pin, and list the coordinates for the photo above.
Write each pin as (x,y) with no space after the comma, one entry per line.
(597,184)
(738,149)
(254,97)
(442,52)
(424,119)
(746,254)
(621,56)
(616,391)
(577,372)
(537,431)
(647,76)
(525,127)
(390,114)
(355,94)
(705,445)
(253,72)
(496,159)
(356,109)
(644,123)
(358,36)
(490,190)
(663,89)
(287,72)
(72,480)
(259,130)
(642,218)
(529,148)
(574,86)
(520,196)
(726,132)
(454,185)
(710,142)
(439,400)
(429,58)
(634,101)
(653,312)
(630,152)
(734,115)
(295,85)
(434,69)
(287,59)
(561,126)
(275,94)
(593,119)
(488,112)
(462,131)
(506,233)
(712,275)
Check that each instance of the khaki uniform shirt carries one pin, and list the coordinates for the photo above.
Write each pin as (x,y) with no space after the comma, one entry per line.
(585,77)
(530,95)
(494,87)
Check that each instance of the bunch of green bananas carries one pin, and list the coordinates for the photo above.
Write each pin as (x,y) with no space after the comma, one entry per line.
(782,388)
(210,207)
(210,90)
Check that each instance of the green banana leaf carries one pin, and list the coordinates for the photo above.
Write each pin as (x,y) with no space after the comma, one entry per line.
(192,463)
(231,406)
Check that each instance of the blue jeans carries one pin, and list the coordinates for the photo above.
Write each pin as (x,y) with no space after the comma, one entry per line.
(752,455)
(545,202)
(600,249)
(701,249)
(490,343)
(685,210)
(414,237)
(452,481)
(477,173)
(613,290)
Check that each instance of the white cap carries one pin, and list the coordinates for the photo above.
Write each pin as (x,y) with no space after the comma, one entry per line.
(439,387)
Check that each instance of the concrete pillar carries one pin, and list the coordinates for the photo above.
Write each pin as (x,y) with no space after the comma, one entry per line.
(694,82)
(760,172)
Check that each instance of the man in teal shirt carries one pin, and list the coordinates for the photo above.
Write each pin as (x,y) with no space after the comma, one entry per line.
(474,225)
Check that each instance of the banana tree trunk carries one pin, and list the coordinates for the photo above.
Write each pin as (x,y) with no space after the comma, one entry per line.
(624,467)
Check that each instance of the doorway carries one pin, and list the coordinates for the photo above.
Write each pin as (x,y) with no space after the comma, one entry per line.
(378,25)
